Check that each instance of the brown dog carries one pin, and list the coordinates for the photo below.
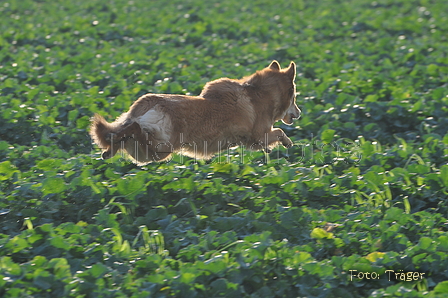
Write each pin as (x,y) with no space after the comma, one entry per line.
(226,114)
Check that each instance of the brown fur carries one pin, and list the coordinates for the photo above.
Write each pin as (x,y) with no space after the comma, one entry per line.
(227,113)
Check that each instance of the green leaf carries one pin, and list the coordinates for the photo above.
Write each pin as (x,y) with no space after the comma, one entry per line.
(372,257)
(302,257)
(61,268)
(432,69)
(417,106)
(59,242)
(43,281)
(7,169)
(8,265)
(393,214)
(17,244)
(425,242)
(444,175)
(416,259)
(110,174)
(442,243)
(4,145)
(247,170)
(221,167)
(187,277)
(49,164)
(445,139)
(323,270)
(83,122)
(407,205)
(371,98)
(319,233)
(131,185)
(53,185)
(441,288)
(98,270)
(328,135)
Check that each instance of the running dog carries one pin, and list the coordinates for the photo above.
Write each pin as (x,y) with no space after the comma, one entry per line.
(227,113)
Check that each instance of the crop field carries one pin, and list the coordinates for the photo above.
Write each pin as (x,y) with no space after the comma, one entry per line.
(358,207)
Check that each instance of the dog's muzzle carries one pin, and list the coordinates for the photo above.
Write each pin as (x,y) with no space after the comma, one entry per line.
(296,115)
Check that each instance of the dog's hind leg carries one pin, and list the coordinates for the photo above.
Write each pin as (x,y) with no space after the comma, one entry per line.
(119,137)
(127,129)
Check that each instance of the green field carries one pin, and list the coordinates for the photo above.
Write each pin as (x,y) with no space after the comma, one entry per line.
(357,208)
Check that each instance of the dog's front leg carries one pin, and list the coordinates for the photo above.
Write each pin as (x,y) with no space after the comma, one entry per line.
(277,135)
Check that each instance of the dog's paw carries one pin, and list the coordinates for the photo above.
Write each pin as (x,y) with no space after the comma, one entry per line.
(106,154)
(287,143)
(267,150)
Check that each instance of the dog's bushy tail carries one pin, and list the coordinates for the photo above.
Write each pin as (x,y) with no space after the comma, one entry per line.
(100,131)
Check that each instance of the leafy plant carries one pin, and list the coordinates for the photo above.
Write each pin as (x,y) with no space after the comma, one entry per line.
(364,189)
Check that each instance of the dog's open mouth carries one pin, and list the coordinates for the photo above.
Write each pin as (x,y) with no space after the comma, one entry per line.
(294,117)
(289,118)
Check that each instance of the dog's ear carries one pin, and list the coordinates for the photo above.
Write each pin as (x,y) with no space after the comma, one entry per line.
(291,71)
(274,65)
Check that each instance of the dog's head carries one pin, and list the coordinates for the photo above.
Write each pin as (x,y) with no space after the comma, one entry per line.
(286,108)
(276,85)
